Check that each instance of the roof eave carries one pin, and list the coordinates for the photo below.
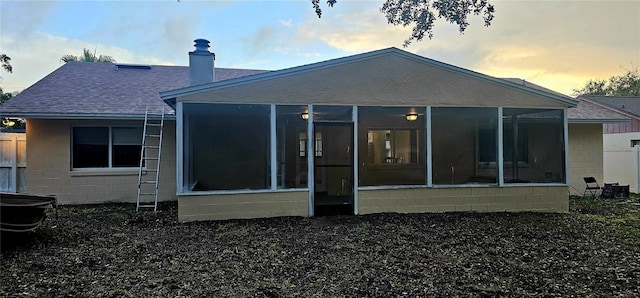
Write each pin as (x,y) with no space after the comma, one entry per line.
(83,116)
(597,121)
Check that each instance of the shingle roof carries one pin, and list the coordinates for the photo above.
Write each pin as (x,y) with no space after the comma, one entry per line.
(585,112)
(80,89)
(533,86)
(629,105)
(94,90)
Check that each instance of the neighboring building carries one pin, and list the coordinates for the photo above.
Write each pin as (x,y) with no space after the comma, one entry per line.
(384,131)
(619,135)
(586,158)
(621,158)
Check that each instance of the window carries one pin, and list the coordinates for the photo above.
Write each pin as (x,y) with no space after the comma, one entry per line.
(391,150)
(635,142)
(106,147)
(392,146)
(126,142)
(303,144)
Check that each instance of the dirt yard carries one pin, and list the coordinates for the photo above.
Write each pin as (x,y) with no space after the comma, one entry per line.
(110,251)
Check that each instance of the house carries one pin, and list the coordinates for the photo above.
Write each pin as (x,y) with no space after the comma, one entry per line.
(621,157)
(384,131)
(619,135)
(85,125)
(586,122)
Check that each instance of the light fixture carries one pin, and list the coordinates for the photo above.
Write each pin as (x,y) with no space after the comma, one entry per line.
(8,122)
(305,116)
(412,116)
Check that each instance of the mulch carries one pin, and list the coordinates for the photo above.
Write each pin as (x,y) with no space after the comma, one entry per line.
(111,251)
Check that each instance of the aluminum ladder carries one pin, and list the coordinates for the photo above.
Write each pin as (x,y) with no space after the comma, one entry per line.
(149,172)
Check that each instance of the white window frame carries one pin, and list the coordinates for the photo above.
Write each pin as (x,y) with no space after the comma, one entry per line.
(110,146)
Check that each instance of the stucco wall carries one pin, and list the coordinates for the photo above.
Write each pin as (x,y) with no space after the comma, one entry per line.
(246,205)
(481,199)
(377,81)
(49,166)
(585,155)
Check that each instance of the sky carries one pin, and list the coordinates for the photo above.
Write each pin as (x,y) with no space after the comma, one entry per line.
(557,44)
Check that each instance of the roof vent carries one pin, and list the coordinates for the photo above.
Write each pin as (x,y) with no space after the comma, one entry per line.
(133,66)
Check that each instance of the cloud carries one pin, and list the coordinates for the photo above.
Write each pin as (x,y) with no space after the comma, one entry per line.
(40,55)
(558,44)
(286,23)
(174,40)
(24,17)
(353,32)
(263,39)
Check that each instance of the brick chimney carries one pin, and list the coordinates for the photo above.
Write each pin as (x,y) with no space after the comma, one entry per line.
(201,66)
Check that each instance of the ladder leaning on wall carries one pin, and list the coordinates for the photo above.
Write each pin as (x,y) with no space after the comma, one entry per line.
(149,172)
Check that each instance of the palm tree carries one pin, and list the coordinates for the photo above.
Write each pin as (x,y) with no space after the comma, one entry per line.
(5,62)
(87,56)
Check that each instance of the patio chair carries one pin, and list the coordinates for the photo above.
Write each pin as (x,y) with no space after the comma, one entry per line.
(592,187)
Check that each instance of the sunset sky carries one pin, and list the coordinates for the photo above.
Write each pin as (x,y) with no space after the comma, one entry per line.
(557,44)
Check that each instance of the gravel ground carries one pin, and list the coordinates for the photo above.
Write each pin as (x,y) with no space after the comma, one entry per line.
(110,251)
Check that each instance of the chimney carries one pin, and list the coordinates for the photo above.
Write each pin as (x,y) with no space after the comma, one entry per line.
(201,69)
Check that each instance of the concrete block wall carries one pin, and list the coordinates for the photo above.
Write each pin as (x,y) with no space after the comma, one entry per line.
(414,200)
(585,155)
(480,199)
(246,205)
(49,166)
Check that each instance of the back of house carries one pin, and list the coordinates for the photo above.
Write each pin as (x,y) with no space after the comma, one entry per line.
(383,131)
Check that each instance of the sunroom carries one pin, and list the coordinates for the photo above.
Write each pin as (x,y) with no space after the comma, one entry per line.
(385,131)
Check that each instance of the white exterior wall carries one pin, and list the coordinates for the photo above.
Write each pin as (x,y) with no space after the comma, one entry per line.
(620,140)
(621,166)
(621,162)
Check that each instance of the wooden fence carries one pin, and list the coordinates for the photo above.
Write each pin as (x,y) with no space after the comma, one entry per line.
(13,162)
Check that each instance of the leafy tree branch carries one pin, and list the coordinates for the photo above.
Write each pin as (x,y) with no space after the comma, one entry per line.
(627,84)
(88,56)
(6,63)
(421,14)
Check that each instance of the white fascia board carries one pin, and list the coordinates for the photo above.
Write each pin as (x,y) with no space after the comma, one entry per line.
(170,117)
